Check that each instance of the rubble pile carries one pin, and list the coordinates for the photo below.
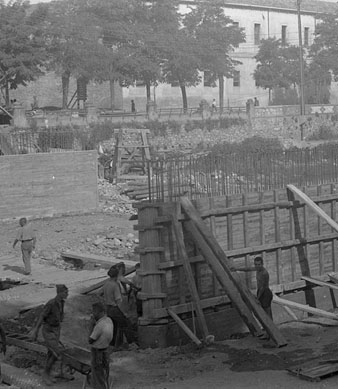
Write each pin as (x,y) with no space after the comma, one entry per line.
(111,199)
(200,139)
(111,244)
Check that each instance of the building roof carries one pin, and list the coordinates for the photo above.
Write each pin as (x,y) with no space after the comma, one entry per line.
(313,6)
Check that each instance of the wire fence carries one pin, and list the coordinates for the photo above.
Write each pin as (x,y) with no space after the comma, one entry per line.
(216,175)
(46,141)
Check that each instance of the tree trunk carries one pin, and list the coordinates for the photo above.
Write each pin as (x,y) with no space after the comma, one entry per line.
(221,92)
(148,91)
(112,94)
(65,89)
(269,96)
(184,97)
(7,94)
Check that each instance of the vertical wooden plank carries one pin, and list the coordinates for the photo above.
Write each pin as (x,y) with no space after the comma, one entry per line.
(306,226)
(189,276)
(333,216)
(277,237)
(180,274)
(213,231)
(151,283)
(229,225)
(246,238)
(303,261)
(292,250)
(320,245)
(261,223)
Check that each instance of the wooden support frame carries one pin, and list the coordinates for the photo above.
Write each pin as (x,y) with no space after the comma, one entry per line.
(313,206)
(233,278)
(184,327)
(305,308)
(190,278)
(303,261)
(251,215)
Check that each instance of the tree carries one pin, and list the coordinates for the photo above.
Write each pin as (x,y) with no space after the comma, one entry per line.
(22,52)
(277,65)
(323,56)
(72,39)
(215,36)
(122,34)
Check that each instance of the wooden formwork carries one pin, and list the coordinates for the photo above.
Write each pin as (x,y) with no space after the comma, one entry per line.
(292,239)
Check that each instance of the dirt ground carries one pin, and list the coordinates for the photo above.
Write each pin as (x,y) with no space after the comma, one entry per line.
(239,362)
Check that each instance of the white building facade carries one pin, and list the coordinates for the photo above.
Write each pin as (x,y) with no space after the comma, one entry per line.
(260,19)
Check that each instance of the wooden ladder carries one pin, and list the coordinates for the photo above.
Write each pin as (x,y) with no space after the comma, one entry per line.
(131,154)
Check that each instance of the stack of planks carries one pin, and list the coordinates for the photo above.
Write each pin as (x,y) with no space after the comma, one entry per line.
(242,299)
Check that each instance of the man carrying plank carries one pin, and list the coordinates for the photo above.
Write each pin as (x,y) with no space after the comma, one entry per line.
(264,293)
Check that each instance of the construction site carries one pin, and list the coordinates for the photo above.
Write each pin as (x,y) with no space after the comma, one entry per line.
(191,219)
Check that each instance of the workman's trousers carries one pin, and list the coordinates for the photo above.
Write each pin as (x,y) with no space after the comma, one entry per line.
(27,247)
(100,369)
(122,325)
(266,300)
(51,336)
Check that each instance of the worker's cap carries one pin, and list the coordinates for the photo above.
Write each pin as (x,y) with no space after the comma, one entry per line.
(98,306)
(61,288)
(113,271)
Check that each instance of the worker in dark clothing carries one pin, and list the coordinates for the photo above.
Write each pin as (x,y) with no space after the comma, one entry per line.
(113,301)
(264,293)
(101,334)
(27,238)
(51,319)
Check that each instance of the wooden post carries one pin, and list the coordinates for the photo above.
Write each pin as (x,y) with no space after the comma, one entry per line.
(190,278)
(303,261)
(223,279)
(150,257)
(209,240)
(184,327)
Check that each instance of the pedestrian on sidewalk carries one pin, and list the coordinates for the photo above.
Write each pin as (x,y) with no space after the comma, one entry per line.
(133,107)
(214,106)
(27,237)
(101,334)
(50,319)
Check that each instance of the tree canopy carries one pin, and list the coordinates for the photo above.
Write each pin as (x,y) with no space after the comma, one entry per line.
(22,50)
(119,41)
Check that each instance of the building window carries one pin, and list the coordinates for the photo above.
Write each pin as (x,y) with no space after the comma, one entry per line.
(209,79)
(175,83)
(306,36)
(237,78)
(236,24)
(257,34)
(139,83)
(284,35)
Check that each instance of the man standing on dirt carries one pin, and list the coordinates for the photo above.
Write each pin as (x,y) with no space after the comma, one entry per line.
(51,318)
(113,301)
(101,335)
(264,293)
(27,238)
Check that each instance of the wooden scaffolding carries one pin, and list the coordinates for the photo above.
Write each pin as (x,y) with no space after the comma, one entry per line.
(187,249)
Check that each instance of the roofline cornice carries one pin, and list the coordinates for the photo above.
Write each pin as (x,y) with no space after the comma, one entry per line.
(259,8)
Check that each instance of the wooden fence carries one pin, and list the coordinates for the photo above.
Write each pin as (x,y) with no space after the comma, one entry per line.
(290,237)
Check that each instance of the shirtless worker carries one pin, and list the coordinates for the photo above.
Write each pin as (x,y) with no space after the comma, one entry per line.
(101,334)
(51,318)
(27,238)
(264,293)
